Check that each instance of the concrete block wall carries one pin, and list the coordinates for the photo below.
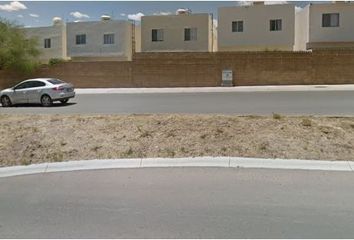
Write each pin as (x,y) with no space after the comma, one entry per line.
(203,70)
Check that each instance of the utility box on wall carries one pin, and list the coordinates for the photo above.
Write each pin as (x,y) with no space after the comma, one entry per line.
(227,78)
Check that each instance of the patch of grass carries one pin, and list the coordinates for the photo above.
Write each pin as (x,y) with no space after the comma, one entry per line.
(144,133)
(277,116)
(129,152)
(219,131)
(54,120)
(252,117)
(325,129)
(203,136)
(306,122)
(56,157)
(96,148)
(170,152)
(25,162)
(54,61)
(263,146)
(170,134)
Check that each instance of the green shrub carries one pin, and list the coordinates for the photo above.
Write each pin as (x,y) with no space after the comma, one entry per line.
(306,122)
(54,61)
(276,116)
(20,53)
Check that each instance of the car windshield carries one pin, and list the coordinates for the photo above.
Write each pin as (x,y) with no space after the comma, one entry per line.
(55,81)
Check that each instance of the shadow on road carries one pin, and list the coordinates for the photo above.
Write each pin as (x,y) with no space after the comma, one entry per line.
(55,105)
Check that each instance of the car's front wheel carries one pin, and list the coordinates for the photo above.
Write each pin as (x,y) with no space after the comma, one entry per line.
(5,101)
(64,101)
(46,101)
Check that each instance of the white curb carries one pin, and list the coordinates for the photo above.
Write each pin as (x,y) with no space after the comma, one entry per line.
(187,162)
(23,170)
(291,164)
(346,87)
(227,162)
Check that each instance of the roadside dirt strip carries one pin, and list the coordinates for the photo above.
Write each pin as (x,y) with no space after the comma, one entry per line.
(28,139)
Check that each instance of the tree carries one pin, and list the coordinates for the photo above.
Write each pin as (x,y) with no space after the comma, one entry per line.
(17,52)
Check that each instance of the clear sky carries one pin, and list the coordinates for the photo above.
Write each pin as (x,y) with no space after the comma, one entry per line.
(30,13)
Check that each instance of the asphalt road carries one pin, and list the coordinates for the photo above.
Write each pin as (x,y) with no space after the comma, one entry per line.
(178,203)
(264,103)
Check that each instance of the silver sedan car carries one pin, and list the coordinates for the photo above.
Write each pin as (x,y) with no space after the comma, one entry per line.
(43,91)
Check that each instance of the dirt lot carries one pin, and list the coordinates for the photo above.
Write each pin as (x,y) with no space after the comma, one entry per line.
(30,139)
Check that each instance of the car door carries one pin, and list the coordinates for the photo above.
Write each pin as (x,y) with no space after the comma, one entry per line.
(20,93)
(34,92)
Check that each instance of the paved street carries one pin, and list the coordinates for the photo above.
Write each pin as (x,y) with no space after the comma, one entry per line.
(297,103)
(178,203)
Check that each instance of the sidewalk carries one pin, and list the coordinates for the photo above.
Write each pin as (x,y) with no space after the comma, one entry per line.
(294,88)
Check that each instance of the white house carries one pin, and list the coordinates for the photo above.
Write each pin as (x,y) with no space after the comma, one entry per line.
(328,25)
(256,27)
(183,32)
(101,40)
(51,40)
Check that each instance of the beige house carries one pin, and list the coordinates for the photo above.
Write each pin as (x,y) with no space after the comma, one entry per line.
(183,32)
(257,27)
(328,25)
(51,40)
(103,40)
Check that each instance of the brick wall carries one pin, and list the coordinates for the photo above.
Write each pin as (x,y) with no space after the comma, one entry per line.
(203,69)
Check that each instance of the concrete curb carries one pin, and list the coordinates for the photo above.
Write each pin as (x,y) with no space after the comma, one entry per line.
(227,162)
(348,87)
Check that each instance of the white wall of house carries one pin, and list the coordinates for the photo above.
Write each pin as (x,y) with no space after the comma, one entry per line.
(57,36)
(95,48)
(173,27)
(137,38)
(256,35)
(301,28)
(331,37)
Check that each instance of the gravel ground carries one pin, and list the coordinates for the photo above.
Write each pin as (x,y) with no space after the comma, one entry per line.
(26,139)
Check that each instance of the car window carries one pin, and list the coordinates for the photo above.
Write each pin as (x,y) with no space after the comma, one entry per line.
(31,84)
(22,86)
(55,81)
(37,84)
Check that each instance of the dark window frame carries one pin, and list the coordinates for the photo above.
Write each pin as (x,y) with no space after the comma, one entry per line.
(108,38)
(276,25)
(189,35)
(47,43)
(80,39)
(155,36)
(237,26)
(326,20)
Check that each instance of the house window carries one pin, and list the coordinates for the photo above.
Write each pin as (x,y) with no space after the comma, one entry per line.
(275,25)
(330,20)
(47,43)
(108,38)
(190,34)
(80,39)
(157,35)
(237,26)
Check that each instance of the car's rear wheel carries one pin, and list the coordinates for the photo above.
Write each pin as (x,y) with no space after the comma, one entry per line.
(5,101)
(64,101)
(46,101)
